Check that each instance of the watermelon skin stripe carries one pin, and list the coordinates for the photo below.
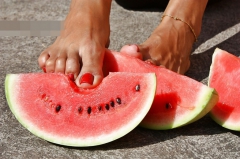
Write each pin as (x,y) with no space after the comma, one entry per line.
(11,86)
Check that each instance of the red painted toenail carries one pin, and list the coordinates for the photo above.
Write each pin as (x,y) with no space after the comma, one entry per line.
(44,69)
(87,78)
(71,76)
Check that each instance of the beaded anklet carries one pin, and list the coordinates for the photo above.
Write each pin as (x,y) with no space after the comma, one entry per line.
(176,18)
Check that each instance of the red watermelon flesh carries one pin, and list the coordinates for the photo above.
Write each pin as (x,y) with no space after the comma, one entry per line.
(52,107)
(179,99)
(225,78)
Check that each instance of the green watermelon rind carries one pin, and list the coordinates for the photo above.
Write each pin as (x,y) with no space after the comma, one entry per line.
(9,81)
(208,97)
(224,124)
(227,125)
(211,101)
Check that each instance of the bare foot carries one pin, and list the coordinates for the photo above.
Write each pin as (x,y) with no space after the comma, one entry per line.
(79,50)
(171,42)
(169,45)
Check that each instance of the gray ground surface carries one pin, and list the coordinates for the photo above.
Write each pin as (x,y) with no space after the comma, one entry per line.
(202,139)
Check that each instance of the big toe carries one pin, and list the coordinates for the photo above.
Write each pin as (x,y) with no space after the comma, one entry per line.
(91,73)
(89,80)
(132,50)
(89,77)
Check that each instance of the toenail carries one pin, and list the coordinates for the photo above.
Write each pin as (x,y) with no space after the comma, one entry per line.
(44,69)
(136,47)
(151,62)
(71,76)
(87,78)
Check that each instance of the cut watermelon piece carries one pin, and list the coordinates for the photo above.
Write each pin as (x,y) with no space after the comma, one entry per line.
(225,78)
(179,100)
(53,108)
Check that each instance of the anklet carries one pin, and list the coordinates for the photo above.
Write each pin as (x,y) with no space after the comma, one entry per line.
(176,18)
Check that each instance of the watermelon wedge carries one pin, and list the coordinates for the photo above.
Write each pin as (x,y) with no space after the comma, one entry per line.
(179,99)
(53,108)
(225,78)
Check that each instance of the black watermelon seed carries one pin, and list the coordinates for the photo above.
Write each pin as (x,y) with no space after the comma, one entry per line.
(168,106)
(118,100)
(89,110)
(80,109)
(107,106)
(58,108)
(112,103)
(100,108)
(137,87)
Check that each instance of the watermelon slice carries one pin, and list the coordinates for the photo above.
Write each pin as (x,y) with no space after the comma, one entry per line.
(53,108)
(179,100)
(225,78)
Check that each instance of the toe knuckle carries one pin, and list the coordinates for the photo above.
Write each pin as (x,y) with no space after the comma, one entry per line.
(60,60)
(49,63)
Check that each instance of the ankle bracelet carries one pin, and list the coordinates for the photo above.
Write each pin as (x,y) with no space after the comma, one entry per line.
(176,18)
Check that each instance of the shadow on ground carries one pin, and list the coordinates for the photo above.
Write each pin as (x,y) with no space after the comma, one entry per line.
(200,63)
(141,137)
(213,26)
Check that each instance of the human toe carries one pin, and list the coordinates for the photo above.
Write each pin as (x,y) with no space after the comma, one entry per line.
(91,73)
(72,65)
(44,56)
(89,77)
(48,58)
(60,63)
(132,50)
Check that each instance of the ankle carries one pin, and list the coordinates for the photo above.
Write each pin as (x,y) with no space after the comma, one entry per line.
(178,25)
(190,11)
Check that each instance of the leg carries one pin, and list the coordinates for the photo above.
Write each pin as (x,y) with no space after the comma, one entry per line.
(142,4)
(81,45)
(171,42)
(145,4)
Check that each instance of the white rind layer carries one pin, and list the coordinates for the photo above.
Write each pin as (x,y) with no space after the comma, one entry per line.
(207,98)
(217,51)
